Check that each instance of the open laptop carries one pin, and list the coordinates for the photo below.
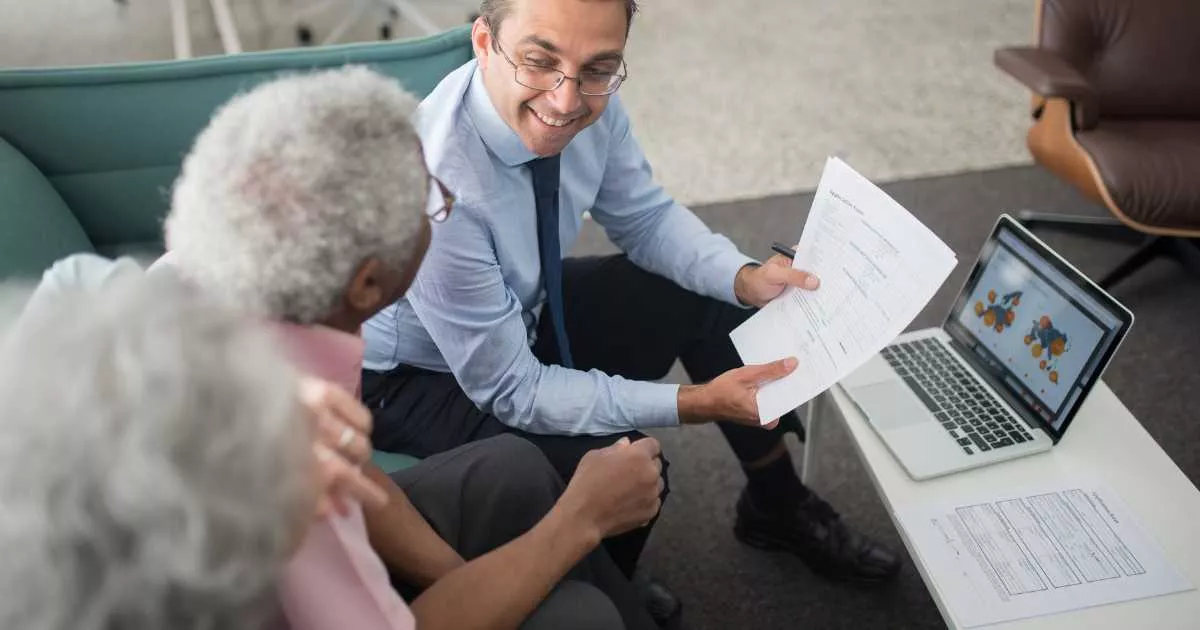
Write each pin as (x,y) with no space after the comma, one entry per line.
(1026,340)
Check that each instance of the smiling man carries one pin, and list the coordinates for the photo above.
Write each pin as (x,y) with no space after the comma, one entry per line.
(501,334)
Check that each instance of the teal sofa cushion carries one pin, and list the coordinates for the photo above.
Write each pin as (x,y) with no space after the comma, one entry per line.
(37,226)
(111,139)
(392,462)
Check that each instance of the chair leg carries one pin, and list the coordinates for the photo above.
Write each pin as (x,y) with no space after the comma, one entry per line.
(356,13)
(415,16)
(1155,247)
(1187,252)
(1099,227)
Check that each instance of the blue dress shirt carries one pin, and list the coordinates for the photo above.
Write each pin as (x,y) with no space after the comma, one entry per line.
(473,307)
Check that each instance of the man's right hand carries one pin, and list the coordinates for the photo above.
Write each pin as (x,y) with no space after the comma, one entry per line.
(732,396)
(616,489)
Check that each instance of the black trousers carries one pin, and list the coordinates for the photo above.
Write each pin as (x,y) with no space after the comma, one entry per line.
(620,319)
(482,495)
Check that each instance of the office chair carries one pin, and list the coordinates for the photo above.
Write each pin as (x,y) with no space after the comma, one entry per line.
(181,36)
(387,12)
(1116,111)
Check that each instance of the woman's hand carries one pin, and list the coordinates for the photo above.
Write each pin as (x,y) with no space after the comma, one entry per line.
(341,445)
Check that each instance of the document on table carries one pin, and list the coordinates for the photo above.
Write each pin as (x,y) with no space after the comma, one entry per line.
(1025,554)
(878,267)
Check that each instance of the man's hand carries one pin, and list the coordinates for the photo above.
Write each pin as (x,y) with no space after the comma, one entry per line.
(755,285)
(341,445)
(615,489)
(732,396)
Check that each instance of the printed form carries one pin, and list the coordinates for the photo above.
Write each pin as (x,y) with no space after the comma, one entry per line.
(1037,552)
(878,267)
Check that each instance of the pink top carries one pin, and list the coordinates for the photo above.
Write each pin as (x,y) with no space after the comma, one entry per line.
(336,580)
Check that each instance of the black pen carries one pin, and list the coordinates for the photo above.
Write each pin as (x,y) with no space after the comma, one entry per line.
(780,248)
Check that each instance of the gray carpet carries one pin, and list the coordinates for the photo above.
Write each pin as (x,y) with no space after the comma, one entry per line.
(726,585)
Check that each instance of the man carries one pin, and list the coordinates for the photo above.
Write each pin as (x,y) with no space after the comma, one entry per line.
(304,203)
(499,334)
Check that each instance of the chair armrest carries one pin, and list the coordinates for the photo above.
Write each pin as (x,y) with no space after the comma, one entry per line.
(1051,76)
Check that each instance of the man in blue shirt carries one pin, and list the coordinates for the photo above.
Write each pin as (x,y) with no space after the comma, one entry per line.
(500,334)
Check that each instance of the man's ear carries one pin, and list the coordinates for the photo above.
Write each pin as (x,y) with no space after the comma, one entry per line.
(481,41)
(365,293)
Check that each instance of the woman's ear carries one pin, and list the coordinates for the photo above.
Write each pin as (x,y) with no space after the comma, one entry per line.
(366,290)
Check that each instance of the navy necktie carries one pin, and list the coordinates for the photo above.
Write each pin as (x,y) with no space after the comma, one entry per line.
(545,194)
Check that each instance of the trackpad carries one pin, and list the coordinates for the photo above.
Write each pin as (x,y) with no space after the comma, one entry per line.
(891,405)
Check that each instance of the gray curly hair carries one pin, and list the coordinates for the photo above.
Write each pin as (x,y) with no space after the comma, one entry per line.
(154,464)
(295,184)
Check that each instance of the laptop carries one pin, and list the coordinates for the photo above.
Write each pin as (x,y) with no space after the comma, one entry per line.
(1003,377)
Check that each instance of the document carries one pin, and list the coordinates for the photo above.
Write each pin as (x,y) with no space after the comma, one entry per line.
(878,267)
(1025,554)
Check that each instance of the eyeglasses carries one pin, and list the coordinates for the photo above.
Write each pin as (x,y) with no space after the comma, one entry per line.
(443,212)
(547,79)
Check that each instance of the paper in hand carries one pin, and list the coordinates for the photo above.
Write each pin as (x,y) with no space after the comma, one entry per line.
(878,267)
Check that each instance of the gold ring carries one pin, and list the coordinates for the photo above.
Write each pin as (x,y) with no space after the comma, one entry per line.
(346,438)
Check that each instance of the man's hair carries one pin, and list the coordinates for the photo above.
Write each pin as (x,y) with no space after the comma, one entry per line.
(293,185)
(154,463)
(494,11)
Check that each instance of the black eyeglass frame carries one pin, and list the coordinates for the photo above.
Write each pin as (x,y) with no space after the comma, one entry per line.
(616,79)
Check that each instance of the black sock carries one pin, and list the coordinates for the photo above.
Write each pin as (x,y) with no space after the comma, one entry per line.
(775,486)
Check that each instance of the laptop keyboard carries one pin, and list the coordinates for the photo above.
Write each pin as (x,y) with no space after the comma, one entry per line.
(969,412)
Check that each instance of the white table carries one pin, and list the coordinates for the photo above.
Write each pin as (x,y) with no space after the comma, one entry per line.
(1105,442)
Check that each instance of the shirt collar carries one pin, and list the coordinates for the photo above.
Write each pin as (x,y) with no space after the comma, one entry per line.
(323,352)
(315,350)
(499,138)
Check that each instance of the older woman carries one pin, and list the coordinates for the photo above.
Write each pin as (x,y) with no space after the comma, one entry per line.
(155,471)
(306,202)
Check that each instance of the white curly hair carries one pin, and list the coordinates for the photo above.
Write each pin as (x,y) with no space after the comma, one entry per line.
(155,469)
(296,183)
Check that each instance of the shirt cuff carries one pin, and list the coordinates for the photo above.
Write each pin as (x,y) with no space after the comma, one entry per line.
(658,405)
(725,270)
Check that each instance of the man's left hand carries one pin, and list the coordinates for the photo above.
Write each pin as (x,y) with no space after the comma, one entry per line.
(755,285)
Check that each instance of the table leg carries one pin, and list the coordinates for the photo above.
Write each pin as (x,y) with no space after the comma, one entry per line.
(810,438)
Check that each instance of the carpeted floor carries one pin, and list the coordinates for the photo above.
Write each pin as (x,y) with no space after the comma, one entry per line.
(726,585)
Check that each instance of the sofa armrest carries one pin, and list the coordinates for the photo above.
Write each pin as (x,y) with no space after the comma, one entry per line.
(1051,76)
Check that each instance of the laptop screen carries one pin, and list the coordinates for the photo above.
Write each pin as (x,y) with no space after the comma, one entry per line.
(1038,326)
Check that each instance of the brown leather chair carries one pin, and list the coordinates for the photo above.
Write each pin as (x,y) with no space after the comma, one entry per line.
(1117,114)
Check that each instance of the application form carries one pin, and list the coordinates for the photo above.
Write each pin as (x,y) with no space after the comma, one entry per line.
(1017,555)
(878,267)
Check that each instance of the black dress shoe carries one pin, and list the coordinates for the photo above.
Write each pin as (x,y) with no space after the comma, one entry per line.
(814,532)
(660,602)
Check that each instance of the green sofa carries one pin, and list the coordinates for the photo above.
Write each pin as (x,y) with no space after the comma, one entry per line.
(88,155)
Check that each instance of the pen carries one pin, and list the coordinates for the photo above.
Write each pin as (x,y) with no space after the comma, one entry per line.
(780,248)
